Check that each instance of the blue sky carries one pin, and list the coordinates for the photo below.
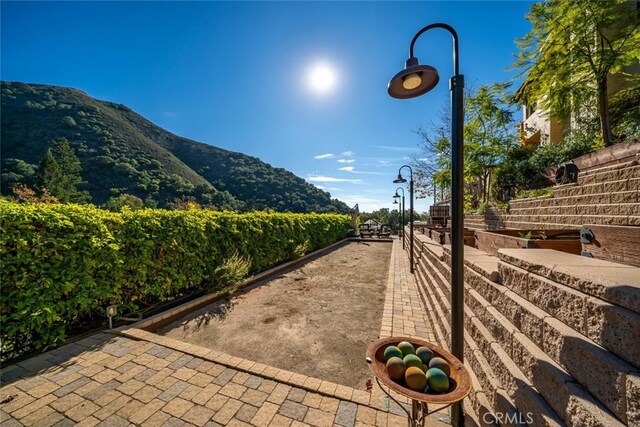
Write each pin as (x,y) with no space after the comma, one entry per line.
(236,75)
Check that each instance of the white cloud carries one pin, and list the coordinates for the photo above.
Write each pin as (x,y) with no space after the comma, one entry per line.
(169,114)
(348,153)
(351,169)
(324,156)
(346,160)
(322,178)
(394,148)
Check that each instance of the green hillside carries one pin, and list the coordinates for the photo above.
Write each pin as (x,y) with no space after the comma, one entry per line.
(123,153)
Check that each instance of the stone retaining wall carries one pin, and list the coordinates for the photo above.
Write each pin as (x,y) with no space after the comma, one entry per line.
(551,338)
(605,196)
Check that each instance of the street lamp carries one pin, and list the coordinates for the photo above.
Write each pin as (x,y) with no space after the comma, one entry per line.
(416,80)
(403,207)
(400,180)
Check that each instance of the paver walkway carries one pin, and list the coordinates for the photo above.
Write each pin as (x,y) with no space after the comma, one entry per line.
(134,377)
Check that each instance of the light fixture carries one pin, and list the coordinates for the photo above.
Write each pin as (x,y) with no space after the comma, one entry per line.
(399,179)
(415,80)
(112,311)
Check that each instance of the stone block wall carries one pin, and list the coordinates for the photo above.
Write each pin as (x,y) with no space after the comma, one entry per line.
(551,338)
(605,196)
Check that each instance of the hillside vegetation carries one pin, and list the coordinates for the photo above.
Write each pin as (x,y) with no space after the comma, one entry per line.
(122,153)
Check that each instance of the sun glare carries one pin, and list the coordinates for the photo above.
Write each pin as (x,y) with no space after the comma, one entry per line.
(322,78)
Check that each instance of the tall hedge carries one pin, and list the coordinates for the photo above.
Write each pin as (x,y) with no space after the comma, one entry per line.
(62,264)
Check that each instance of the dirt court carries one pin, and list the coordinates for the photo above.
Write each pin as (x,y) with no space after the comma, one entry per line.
(316,320)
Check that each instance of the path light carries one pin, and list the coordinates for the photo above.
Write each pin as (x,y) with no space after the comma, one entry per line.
(416,80)
(403,207)
(112,311)
(400,180)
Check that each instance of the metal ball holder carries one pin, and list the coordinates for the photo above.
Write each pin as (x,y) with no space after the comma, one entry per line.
(460,382)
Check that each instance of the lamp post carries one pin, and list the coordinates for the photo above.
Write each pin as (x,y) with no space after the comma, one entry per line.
(400,180)
(403,207)
(416,80)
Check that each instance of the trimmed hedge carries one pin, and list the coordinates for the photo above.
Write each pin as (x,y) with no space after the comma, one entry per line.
(62,264)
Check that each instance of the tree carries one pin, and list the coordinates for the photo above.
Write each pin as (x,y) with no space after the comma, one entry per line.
(17,171)
(116,204)
(433,162)
(570,52)
(49,175)
(489,133)
(59,172)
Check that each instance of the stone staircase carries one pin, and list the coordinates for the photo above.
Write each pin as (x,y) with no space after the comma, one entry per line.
(607,196)
(551,338)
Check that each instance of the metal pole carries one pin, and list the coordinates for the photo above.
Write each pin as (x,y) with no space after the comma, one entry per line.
(457,230)
(403,236)
(411,222)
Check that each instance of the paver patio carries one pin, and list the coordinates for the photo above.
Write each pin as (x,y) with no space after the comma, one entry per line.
(133,377)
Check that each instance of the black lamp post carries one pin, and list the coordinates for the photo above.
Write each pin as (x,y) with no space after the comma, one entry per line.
(416,80)
(403,207)
(400,180)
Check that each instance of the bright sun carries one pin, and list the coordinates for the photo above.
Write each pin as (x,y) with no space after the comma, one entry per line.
(322,78)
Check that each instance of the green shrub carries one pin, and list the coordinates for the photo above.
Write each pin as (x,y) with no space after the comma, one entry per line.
(523,166)
(231,272)
(62,264)
(536,192)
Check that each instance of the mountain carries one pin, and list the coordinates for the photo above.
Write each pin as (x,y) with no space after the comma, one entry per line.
(121,152)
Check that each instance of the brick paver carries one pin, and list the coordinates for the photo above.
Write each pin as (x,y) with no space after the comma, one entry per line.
(108,379)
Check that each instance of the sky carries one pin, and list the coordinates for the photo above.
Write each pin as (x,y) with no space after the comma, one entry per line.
(300,85)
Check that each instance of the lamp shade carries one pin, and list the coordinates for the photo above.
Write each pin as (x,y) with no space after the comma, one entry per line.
(399,179)
(395,202)
(414,80)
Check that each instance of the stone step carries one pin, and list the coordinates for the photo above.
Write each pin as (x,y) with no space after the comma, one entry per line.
(500,398)
(610,173)
(499,330)
(615,328)
(617,284)
(632,209)
(630,196)
(533,201)
(477,403)
(484,381)
(626,184)
(612,167)
(540,330)
(477,260)
(576,220)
